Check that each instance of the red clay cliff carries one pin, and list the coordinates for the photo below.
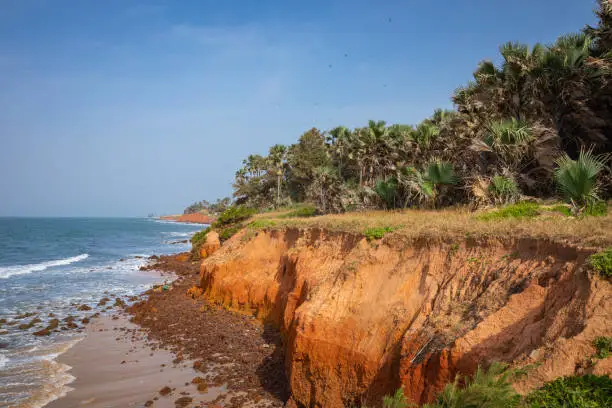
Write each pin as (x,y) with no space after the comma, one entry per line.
(361,319)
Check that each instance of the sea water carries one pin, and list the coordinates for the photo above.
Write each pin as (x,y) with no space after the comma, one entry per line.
(49,265)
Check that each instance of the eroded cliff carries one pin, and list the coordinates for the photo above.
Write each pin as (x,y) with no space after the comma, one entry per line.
(361,319)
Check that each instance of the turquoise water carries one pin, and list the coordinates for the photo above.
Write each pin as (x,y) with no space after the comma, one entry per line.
(49,264)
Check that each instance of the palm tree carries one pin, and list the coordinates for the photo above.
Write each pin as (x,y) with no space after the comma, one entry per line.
(277,157)
(440,174)
(387,190)
(323,178)
(577,179)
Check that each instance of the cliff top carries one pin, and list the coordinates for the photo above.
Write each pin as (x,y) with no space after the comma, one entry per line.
(519,221)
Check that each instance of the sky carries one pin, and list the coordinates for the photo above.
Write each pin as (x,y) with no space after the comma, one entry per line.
(130,107)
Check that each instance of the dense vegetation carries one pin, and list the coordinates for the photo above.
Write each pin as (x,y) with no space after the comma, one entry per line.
(206,207)
(539,125)
(492,389)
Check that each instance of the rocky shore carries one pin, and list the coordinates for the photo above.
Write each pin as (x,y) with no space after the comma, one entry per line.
(171,348)
(196,218)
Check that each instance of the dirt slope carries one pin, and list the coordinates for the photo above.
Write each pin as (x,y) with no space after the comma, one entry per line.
(360,319)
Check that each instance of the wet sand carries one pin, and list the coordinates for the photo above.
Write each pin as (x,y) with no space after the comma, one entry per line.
(207,356)
(115,366)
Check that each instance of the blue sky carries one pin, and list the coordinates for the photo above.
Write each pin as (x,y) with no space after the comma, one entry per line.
(121,108)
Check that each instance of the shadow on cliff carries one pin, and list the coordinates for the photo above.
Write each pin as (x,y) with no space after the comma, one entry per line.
(271,371)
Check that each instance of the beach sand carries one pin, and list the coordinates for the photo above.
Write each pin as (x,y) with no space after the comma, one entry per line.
(115,366)
(206,355)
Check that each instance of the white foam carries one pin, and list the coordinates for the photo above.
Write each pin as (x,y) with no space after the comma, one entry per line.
(8,271)
(3,360)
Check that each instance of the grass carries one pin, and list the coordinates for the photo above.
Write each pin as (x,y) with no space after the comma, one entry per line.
(603,345)
(453,225)
(304,211)
(377,232)
(598,209)
(518,210)
(588,391)
(601,262)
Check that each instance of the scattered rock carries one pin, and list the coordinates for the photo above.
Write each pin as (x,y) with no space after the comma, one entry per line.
(183,402)
(202,387)
(165,391)
(148,403)
(24,315)
(119,303)
(84,308)
(103,301)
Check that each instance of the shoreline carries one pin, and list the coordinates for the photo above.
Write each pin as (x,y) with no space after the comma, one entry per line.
(204,355)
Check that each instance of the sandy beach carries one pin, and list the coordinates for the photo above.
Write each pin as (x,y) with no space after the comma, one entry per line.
(115,366)
(182,353)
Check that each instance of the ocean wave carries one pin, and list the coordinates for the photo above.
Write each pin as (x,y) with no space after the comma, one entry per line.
(3,361)
(8,271)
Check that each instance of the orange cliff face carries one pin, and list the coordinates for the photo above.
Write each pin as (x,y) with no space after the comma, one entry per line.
(196,218)
(362,319)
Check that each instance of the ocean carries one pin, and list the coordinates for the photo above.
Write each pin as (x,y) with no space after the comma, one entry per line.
(49,265)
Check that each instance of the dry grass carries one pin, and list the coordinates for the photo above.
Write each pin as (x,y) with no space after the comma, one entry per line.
(452,223)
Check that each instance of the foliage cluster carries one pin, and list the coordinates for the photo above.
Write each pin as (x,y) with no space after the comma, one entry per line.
(601,262)
(376,232)
(233,215)
(196,242)
(589,391)
(209,208)
(603,345)
(537,124)
(492,389)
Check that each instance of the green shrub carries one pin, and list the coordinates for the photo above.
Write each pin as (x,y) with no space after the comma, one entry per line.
(397,400)
(199,237)
(601,262)
(486,389)
(503,189)
(589,391)
(196,242)
(603,346)
(234,215)
(305,211)
(228,232)
(377,232)
(518,210)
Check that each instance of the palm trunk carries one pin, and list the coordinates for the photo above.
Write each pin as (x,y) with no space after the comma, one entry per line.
(278,183)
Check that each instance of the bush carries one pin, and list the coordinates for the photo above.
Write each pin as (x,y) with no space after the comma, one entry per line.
(603,346)
(377,232)
(518,210)
(234,215)
(601,262)
(228,232)
(398,400)
(306,211)
(503,189)
(200,237)
(589,391)
(486,389)
(196,242)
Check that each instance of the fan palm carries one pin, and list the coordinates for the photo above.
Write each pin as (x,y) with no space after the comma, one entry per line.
(387,191)
(577,179)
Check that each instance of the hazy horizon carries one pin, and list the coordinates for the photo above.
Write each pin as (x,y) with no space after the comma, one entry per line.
(125,108)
